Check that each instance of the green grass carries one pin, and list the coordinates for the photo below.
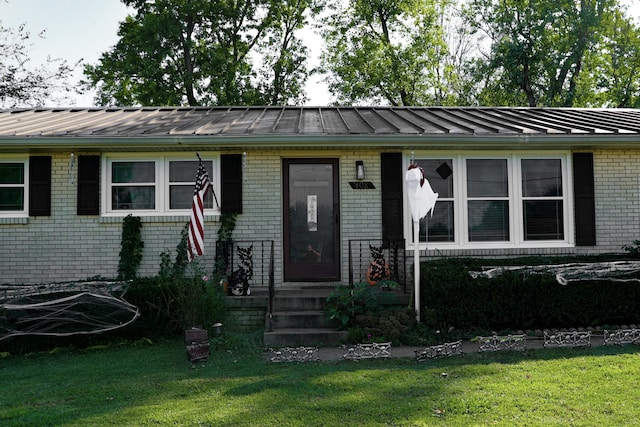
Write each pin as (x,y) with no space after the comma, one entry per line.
(152,384)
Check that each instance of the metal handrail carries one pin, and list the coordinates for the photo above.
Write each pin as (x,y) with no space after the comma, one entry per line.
(394,252)
(272,291)
(228,259)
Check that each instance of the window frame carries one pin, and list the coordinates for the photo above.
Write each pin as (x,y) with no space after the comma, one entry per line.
(25,185)
(515,199)
(161,184)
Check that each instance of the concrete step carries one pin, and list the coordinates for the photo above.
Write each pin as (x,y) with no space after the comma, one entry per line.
(295,337)
(301,319)
(288,301)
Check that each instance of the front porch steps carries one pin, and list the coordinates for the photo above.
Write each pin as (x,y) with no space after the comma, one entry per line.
(299,319)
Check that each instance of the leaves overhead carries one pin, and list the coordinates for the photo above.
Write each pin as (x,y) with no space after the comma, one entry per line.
(548,53)
(24,85)
(200,52)
(384,51)
(579,53)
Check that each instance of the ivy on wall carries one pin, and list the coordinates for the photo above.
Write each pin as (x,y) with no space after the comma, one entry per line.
(131,248)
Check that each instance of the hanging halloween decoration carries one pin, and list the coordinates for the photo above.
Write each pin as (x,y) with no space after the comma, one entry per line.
(422,200)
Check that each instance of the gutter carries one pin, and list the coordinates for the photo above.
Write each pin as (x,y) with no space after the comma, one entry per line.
(322,141)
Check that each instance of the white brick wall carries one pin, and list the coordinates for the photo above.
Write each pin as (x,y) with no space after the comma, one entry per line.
(617,188)
(66,246)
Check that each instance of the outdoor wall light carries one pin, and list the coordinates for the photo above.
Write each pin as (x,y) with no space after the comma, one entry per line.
(359,169)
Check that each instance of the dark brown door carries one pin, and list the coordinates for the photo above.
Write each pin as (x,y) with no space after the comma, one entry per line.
(311,219)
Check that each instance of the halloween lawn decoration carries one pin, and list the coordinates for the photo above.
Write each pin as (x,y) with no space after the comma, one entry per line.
(421,200)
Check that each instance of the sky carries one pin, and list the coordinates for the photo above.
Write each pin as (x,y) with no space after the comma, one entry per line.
(84,29)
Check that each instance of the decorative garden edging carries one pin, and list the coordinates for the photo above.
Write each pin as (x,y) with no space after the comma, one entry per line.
(567,339)
(505,342)
(368,351)
(442,350)
(622,336)
(294,354)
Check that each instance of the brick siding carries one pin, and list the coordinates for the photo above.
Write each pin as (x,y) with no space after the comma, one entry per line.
(67,247)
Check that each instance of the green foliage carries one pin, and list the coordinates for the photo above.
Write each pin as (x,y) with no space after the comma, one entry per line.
(555,53)
(225,233)
(389,324)
(131,248)
(516,300)
(633,249)
(172,302)
(25,84)
(200,52)
(169,305)
(385,52)
(345,302)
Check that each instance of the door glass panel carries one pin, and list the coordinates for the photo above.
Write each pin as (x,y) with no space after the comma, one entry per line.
(311,214)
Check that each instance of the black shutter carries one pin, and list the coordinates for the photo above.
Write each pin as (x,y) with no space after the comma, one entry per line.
(231,188)
(40,186)
(392,185)
(584,198)
(88,185)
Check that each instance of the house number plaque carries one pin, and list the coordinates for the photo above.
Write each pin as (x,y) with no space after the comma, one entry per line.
(362,185)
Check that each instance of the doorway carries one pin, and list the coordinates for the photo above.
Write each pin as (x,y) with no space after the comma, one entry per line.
(311,220)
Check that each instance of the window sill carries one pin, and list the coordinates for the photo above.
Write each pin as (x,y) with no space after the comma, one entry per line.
(490,246)
(150,218)
(14,220)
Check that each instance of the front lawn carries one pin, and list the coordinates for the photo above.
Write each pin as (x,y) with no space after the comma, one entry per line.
(148,383)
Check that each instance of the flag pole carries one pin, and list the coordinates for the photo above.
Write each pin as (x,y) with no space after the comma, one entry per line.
(416,267)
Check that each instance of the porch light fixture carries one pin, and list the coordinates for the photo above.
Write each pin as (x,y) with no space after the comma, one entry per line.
(360,169)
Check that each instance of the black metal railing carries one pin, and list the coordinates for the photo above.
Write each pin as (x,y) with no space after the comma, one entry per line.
(256,258)
(361,258)
(253,256)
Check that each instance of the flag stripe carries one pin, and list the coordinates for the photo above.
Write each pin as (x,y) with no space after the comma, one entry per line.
(195,241)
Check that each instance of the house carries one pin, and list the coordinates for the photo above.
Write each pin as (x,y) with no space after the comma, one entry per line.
(311,180)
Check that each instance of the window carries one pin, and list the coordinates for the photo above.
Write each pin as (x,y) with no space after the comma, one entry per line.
(182,182)
(162,185)
(487,200)
(497,201)
(12,187)
(439,173)
(542,203)
(133,185)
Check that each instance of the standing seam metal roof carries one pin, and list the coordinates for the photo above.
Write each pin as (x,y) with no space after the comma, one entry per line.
(288,121)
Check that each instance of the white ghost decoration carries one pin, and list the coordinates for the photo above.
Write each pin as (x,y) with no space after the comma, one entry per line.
(421,197)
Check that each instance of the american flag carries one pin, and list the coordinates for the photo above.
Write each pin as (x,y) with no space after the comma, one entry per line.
(195,243)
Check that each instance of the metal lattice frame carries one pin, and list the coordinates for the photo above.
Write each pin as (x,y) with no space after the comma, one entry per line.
(293,354)
(436,351)
(622,336)
(368,351)
(506,342)
(567,339)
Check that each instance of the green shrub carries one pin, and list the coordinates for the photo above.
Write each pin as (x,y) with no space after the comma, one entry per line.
(131,248)
(170,305)
(517,300)
(389,324)
(347,302)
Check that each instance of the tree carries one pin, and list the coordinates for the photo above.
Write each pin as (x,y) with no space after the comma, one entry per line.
(541,51)
(22,85)
(614,77)
(201,52)
(385,51)
(284,74)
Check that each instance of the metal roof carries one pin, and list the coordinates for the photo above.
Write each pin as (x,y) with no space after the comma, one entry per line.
(309,123)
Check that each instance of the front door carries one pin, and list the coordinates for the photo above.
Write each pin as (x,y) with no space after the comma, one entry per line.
(311,219)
